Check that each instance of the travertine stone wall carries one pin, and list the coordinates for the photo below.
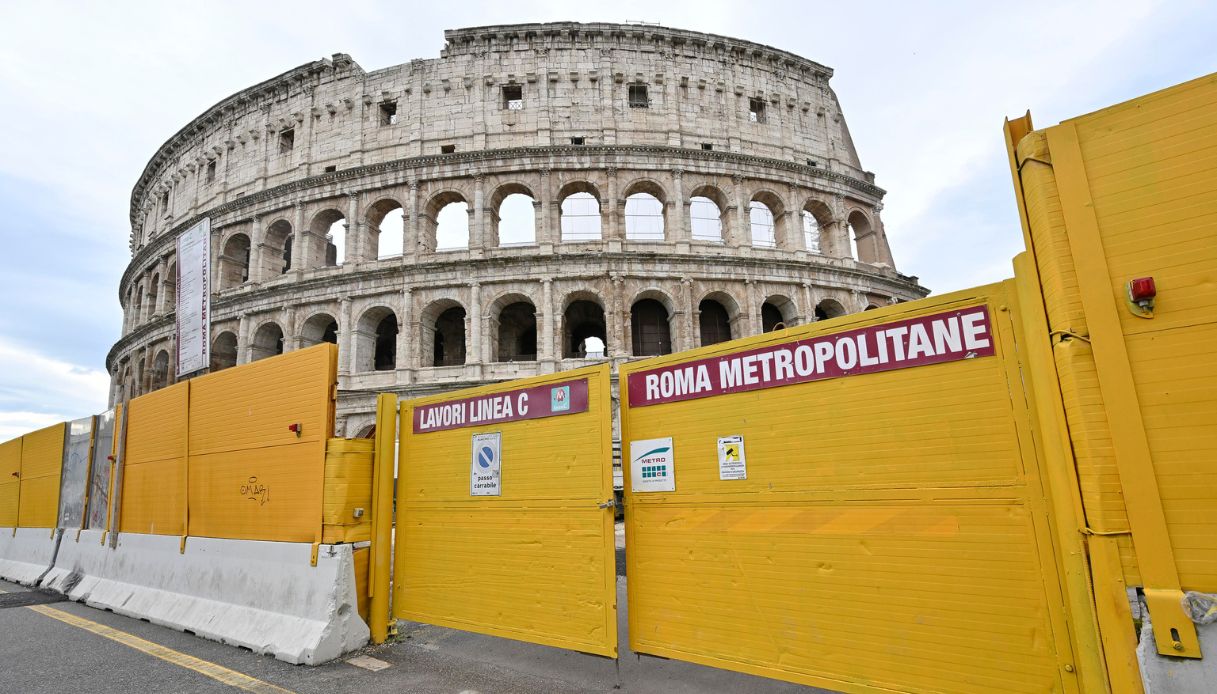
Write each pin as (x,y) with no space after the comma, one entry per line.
(327,140)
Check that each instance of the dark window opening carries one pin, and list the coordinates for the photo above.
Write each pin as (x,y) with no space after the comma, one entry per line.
(330,334)
(449,349)
(211,171)
(447,149)
(576,140)
(386,344)
(707,146)
(714,322)
(331,169)
(812,162)
(638,96)
(287,255)
(165,202)
(513,97)
(583,321)
(388,113)
(652,333)
(287,140)
(756,110)
(518,333)
(771,318)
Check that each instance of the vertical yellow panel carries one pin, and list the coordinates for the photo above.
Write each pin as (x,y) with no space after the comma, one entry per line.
(153,498)
(41,465)
(535,563)
(257,447)
(10,482)
(891,532)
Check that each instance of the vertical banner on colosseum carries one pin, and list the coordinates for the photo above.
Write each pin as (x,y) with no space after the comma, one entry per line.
(194,298)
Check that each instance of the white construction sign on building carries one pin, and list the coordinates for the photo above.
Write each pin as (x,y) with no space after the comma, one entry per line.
(194,298)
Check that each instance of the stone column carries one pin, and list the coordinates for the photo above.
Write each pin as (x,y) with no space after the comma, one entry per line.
(809,308)
(546,236)
(547,341)
(299,238)
(244,348)
(257,250)
(684,303)
(741,235)
(161,268)
(346,336)
(614,230)
(354,249)
(478,233)
(405,362)
(753,310)
(616,313)
(682,232)
(473,351)
(410,226)
(291,336)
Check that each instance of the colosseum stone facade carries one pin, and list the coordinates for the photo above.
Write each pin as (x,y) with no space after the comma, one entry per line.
(540,197)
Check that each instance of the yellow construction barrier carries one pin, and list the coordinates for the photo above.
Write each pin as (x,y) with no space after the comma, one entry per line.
(153,499)
(10,482)
(346,513)
(855,504)
(504,518)
(41,463)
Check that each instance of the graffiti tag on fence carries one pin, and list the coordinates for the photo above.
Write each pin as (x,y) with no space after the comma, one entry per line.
(253,490)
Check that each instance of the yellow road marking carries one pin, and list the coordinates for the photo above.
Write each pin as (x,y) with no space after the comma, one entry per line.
(218,673)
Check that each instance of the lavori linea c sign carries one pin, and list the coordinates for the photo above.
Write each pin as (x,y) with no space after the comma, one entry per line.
(942,337)
(552,400)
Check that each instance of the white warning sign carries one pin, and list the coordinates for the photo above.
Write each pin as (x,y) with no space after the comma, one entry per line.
(486,465)
(731,464)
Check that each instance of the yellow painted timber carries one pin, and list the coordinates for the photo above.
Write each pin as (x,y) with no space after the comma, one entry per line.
(10,482)
(382,516)
(153,499)
(348,486)
(251,476)
(41,467)
(893,532)
(535,564)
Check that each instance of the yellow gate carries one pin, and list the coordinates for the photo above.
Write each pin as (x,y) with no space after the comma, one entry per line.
(504,514)
(854,504)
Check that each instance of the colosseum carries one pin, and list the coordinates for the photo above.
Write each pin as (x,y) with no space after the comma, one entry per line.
(538,198)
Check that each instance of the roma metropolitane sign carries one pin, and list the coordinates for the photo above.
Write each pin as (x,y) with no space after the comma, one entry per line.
(942,337)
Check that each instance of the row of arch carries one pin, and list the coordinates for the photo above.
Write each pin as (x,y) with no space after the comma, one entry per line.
(443,330)
(446,218)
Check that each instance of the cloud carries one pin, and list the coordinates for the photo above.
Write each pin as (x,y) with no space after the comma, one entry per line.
(36,391)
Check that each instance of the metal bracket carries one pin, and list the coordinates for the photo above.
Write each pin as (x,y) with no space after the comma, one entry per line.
(1174,632)
(611,503)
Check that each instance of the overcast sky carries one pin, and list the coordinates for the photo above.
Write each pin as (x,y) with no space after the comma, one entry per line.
(88,91)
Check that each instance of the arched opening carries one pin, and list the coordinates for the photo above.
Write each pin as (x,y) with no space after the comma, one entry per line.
(714,322)
(268,342)
(318,329)
(223,351)
(829,308)
(583,329)
(446,222)
(517,333)
(816,218)
(132,311)
(771,318)
(514,217)
(329,226)
(443,334)
(160,370)
(376,340)
(581,219)
(644,215)
(651,331)
(234,262)
(764,230)
(778,312)
(138,316)
(153,292)
(386,229)
(706,209)
(278,256)
(861,245)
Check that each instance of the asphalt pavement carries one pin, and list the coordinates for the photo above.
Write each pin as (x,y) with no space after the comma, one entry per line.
(69,647)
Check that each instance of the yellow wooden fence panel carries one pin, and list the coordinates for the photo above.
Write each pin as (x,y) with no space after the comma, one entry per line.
(41,465)
(257,447)
(153,499)
(535,562)
(10,482)
(887,530)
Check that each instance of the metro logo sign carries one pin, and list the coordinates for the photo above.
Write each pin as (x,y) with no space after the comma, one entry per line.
(942,337)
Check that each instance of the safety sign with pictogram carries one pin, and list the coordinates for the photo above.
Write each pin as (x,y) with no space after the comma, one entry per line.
(731,463)
(486,465)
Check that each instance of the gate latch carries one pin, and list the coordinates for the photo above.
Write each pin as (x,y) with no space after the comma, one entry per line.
(611,503)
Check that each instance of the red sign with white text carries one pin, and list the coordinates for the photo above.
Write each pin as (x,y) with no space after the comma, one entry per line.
(942,337)
(567,397)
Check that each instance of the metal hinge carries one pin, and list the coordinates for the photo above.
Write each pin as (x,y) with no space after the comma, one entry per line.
(611,503)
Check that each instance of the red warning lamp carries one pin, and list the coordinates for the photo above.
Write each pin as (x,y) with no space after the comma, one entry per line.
(1142,290)
(296,429)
